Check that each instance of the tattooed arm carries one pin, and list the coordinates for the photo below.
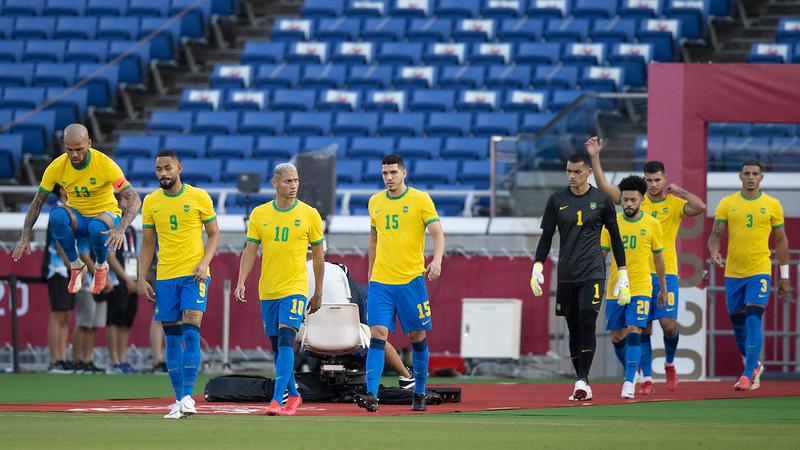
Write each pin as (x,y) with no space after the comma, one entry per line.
(24,245)
(130,208)
(714,242)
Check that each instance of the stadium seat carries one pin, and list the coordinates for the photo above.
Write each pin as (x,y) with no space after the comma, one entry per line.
(496,124)
(123,28)
(602,79)
(474,30)
(338,29)
(106,7)
(357,8)
(130,145)
(199,171)
(54,74)
(227,147)
(633,58)
(594,9)
(141,171)
(246,100)
(769,53)
(170,122)
(12,74)
(103,87)
(350,53)
(550,76)
(773,130)
(85,51)
(355,124)
(448,205)
(461,77)
(10,155)
(231,76)
(384,29)
(370,147)
(260,52)
(430,172)
(194,21)
(613,31)
(133,67)
(423,77)
(293,100)
(432,100)
(366,77)
(525,101)
(477,101)
(400,53)
(476,173)
(728,129)
(291,30)
(336,100)
(533,122)
(261,123)
(563,97)
(508,77)
(419,147)
(322,8)
(22,97)
(538,53)
(200,100)
(75,28)
(157,8)
(277,75)
(34,27)
(394,101)
(11,51)
(164,44)
(502,9)
(216,122)
(6,27)
(36,130)
(551,9)
(663,35)
(336,145)
(640,10)
(277,147)
(64,8)
(466,148)
(491,53)
(323,76)
(69,105)
(186,146)
(567,30)
(402,124)
(309,123)
(41,50)
(349,171)
(308,52)
(521,30)
(429,30)
(233,167)
(788,32)
(692,16)
(457,8)
(449,124)
(446,53)
(581,54)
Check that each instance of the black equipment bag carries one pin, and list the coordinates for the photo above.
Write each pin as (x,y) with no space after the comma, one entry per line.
(239,388)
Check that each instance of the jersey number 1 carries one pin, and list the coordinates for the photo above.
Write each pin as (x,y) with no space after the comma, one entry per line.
(580,218)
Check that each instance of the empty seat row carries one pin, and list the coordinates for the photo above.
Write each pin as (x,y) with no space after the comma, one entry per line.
(102,87)
(755,129)
(69,104)
(786,52)
(36,128)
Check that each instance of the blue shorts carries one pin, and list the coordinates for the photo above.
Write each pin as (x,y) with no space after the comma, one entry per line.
(287,311)
(175,295)
(82,222)
(740,292)
(670,308)
(635,313)
(409,302)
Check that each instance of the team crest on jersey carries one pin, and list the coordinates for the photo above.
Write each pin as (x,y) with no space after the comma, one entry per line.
(186,208)
(297,222)
(92,180)
(763,210)
(665,210)
(642,232)
(405,209)
(592,206)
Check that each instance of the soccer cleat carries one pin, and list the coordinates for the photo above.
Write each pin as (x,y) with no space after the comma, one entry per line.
(628,390)
(419,403)
(406,383)
(92,369)
(757,377)
(114,369)
(274,409)
(292,404)
(127,368)
(187,406)
(644,388)
(366,401)
(76,275)
(100,274)
(744,384)
(672,376)
(174,411)
(582,392)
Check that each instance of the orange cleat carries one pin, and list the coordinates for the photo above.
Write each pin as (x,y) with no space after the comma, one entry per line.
(644,388)
(744,384)
(274,409)
(672,376)
(100,275)
(291,405)
(76,278)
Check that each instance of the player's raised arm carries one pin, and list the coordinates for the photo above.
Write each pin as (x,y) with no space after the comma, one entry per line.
(593,147)
(694,205)
(24,245)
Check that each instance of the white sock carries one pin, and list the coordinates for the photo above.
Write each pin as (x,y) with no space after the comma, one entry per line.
(77,264)
(101,266)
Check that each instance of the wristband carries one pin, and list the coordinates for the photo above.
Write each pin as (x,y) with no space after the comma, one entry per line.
(784,272)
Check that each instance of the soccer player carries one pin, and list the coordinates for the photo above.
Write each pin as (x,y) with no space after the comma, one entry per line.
(669,205)
(580,212)
(641,238)
(284,228)
(176,215)
(90,179)
(399,216)
(751,216)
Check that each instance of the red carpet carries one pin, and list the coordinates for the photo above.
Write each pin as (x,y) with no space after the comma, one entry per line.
(475,397)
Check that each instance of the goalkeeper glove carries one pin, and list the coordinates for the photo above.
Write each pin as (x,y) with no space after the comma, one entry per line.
(537,279)
(622,289)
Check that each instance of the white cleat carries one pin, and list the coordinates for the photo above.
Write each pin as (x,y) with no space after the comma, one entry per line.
(757,377)
(628,390)
(187,406)
(175,411)
(581,393)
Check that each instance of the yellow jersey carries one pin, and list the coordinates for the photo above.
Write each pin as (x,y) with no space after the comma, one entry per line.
(641,238)
(90,188)
(669,211)
(400,223)
(750,222)
(178,222)
(284,235)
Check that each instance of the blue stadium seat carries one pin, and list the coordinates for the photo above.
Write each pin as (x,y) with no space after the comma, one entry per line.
(354,53)
(640,147)
(728,129)
(744,148)
(691,17)
(277,75)
(446,53)
(261,123)
(34,27)
(148,8)
(508,77)
(76,28)
(773,130)
(170,122)
(500,10)
(10,155)
(779,147)
(22,97)
(133,67)
(194,21)
(141,171)
(458,8)
(231,76)
(612,31)
(640,10)
(525,101)
(491,53)
(337,145)
(788,32)
(364,77)
(64,8)
(477,101)
(538,53)
(41,50)
(233,167)
(521,30)
(563,97)
(36,130)
(12,74)
(533,122)
(187,145)
(246,100)
(227,147)
(555,76)
(384,29)
(216,122)
(123,28)
(548,8)
(338,29)
(402,124)
(337,100)
(278,147)
(411,9)
(493,124)
(291,29)
(400,53)
(308,52)
(11,51)
(602,79)
(582,54)
(633,58)
(106,7)
(322,8)
(419,147)
(70,107)
(432,100)
(83,51)
(474,30)
(466,148)
(358,8)
(462,77)
(103,87)
(430,172)
(323,76)
(663,35)
(165,43)
(370,147)
(415,77)
(23,7)
(133,145)
(567,30)
(349,171)
(769,53)
(198,171)
(393,101)
(260,52)
(429,30)
(449,124)
(594,9)
(54,74)
(355,124)
(476,173)
(309,123)
(293,100)
(6,27)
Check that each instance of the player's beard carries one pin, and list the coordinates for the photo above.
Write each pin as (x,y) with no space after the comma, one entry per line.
(167,183)
(630,212)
